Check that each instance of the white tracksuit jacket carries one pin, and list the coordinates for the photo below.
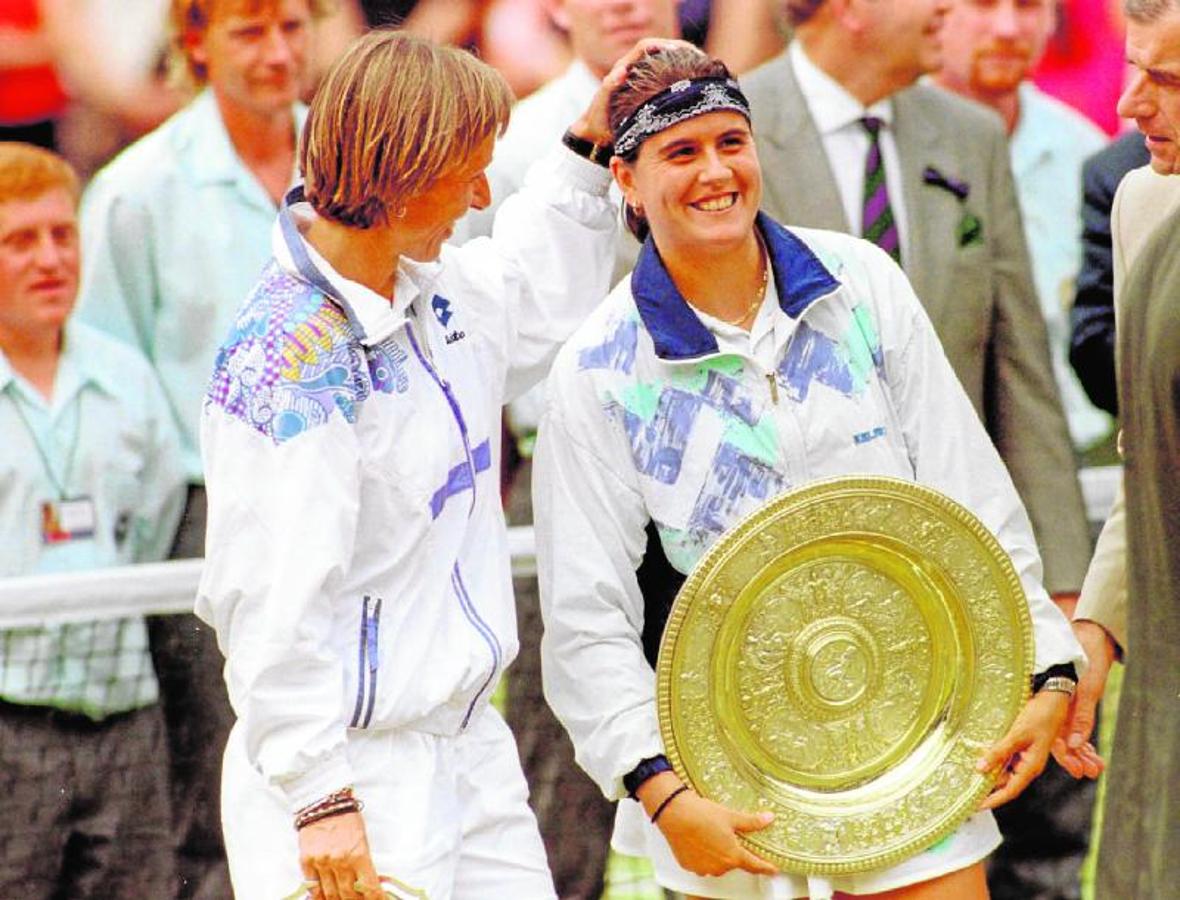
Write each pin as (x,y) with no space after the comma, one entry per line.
(357,566)
(647,420)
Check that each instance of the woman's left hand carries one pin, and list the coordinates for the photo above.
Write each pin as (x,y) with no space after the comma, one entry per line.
(594,124)
(1021,754)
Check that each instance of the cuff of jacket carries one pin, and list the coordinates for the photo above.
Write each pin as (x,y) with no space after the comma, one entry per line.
(571,169)
(330,774)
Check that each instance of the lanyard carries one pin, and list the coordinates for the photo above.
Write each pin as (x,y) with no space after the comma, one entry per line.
(59,486)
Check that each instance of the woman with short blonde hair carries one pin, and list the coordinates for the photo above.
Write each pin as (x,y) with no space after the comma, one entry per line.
(357,568)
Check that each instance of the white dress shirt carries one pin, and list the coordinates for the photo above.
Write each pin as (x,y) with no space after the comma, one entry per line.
(837,116)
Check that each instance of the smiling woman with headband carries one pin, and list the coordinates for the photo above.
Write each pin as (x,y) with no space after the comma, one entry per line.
(740,359)
(357,569)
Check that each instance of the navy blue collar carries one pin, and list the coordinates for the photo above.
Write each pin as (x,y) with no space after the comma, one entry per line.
(677,333)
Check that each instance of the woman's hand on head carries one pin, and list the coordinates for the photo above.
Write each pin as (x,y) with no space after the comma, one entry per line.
(334,853)
(703,835)
(594,125)
(1022,753)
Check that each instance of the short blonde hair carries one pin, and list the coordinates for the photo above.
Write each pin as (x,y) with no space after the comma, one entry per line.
(192,17)
(391,116)
(27,172)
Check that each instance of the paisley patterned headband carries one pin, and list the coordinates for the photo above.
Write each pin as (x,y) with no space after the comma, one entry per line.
(683,100)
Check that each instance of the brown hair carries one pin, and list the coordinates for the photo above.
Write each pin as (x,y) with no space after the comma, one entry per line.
(391,116)
(1147,12)
(192,17)
(646,77)
(27,172)
(799,11)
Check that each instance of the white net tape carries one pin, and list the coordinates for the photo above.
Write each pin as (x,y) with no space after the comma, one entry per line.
(170,587)
(149,589)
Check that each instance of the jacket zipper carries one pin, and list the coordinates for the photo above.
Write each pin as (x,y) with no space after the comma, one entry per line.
(367,660)
(374,657)
(485,632)
(457,413)
(465,602)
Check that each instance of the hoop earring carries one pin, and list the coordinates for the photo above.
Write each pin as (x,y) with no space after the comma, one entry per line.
(400,212)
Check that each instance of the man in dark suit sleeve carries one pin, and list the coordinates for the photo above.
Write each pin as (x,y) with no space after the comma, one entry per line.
(1091,351)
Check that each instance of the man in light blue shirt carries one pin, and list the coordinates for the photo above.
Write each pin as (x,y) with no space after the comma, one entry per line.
(990,50)
(89,477)
(177,229)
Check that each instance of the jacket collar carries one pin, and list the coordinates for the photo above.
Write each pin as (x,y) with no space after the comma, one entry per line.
(371,317)
(678,334)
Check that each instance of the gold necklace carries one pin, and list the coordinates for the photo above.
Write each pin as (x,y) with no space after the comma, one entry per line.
(758,295)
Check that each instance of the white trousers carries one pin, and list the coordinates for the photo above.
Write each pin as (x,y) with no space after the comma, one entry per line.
(445,815)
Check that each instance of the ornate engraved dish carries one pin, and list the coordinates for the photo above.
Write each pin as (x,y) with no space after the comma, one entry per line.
(842,657)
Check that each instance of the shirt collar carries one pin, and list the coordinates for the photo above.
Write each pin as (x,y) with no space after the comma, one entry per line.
(832,107)
(1031,141)
(214,159)
(372,317)
(677,332)
(81,364)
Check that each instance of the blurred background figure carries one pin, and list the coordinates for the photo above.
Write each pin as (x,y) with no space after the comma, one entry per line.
(89,477)
(1084,64)
(83,76)
(177,228)
(990,48)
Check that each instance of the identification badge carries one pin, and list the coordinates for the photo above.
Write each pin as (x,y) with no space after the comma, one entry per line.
(67,520)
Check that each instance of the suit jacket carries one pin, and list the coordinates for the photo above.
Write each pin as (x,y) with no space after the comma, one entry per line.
(1144,200)
(1091,350)
(968,262)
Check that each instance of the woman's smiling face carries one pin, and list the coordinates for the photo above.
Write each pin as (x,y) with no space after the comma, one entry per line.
(698,184)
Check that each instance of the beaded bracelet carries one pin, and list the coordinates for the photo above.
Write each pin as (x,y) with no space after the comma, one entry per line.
(336,804)
(664,804)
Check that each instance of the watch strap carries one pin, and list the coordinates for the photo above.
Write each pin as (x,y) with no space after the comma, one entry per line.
(598,154)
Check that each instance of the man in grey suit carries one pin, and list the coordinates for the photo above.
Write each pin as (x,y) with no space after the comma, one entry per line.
(928,177)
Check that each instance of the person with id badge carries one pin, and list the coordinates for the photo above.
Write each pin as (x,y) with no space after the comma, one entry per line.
(89,477)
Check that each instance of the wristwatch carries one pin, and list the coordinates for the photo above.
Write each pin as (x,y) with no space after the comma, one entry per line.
(599,154)
(1062,678)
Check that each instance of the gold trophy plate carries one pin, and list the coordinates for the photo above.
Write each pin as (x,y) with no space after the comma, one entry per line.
(842,657)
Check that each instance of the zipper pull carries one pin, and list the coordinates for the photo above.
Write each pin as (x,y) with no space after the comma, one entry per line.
(770,377)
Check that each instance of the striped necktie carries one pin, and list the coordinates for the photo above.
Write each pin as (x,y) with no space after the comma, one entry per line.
(877,222)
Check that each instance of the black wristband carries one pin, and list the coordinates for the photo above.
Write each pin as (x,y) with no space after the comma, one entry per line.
(1061,670)
(653,765)
(598,154)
